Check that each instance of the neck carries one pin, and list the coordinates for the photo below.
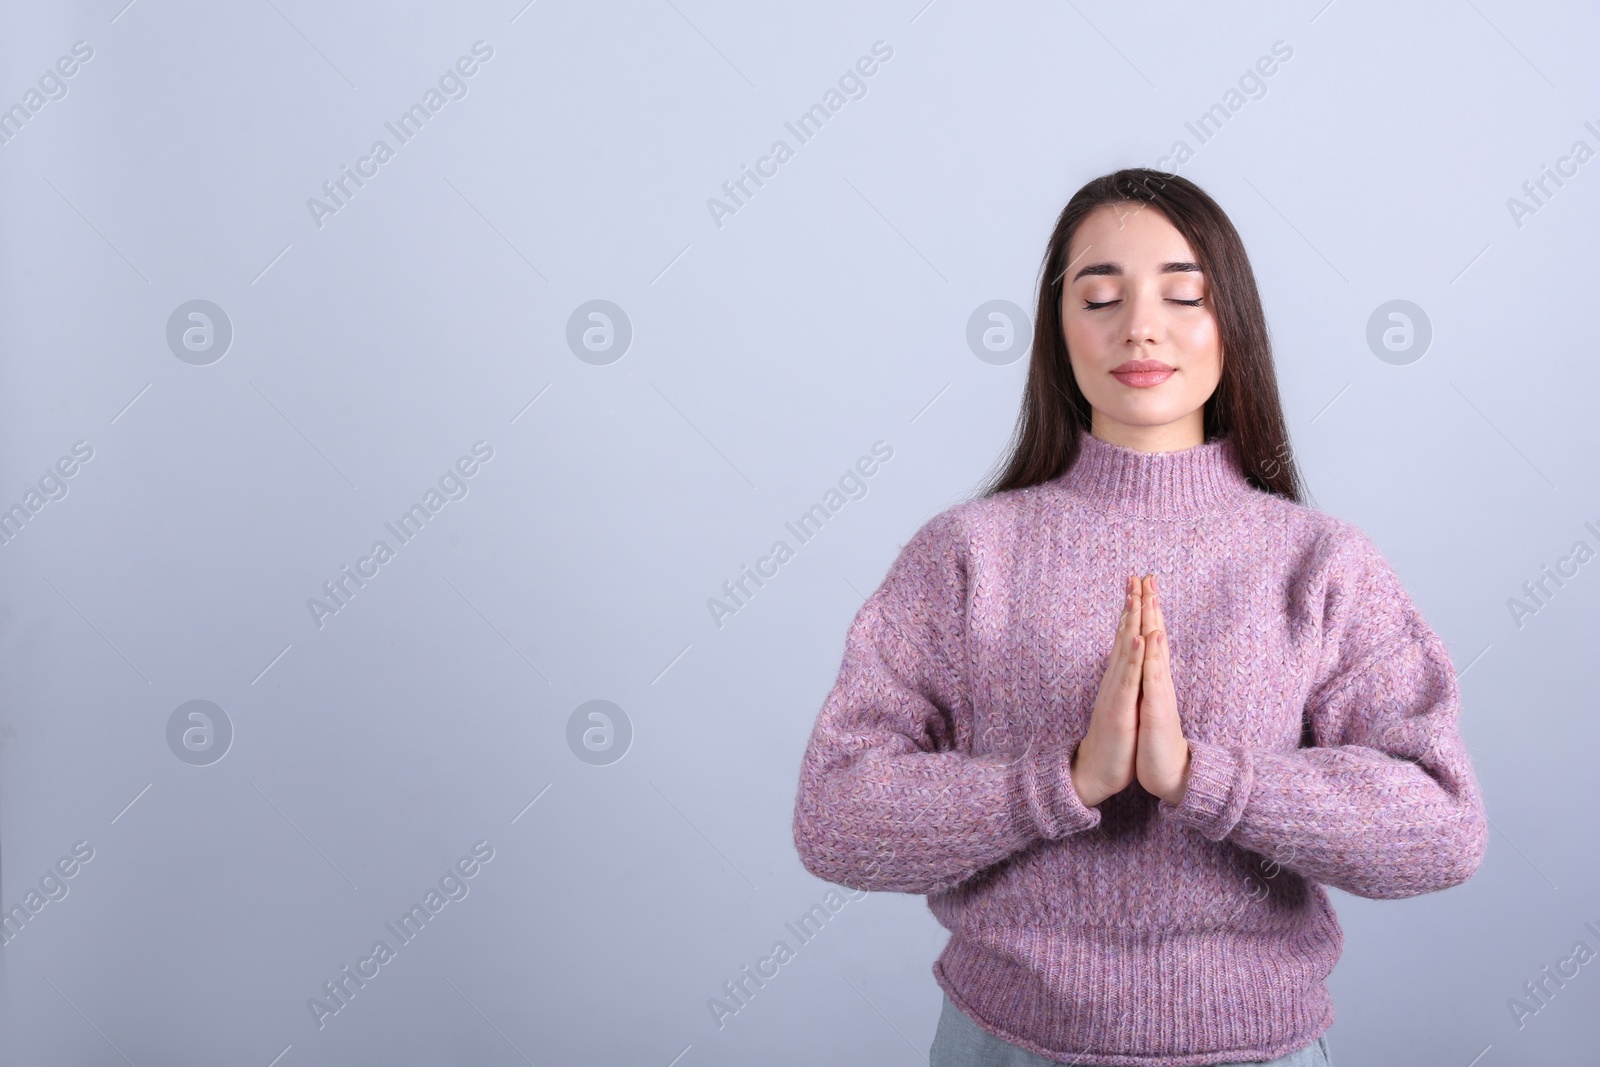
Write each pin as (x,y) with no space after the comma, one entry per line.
(1170,437)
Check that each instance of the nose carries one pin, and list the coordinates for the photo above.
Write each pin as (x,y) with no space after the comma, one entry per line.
(1143,322)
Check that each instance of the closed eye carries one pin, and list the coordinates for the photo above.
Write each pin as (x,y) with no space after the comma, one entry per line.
(1090,305)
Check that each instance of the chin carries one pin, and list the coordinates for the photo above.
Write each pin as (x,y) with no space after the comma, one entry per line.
(1151,414)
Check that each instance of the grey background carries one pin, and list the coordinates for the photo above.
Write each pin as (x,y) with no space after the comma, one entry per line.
(767,355)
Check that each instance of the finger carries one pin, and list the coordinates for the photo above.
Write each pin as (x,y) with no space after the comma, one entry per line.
(1155,622)
(1155,605)
(1155,662)
(1133,665)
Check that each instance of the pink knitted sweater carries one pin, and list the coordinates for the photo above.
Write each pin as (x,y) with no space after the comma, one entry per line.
(1321,713)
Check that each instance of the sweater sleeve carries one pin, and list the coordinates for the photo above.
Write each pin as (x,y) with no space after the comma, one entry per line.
(891,796)
(1384,802)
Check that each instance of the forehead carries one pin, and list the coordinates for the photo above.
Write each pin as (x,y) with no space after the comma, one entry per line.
(1136,236)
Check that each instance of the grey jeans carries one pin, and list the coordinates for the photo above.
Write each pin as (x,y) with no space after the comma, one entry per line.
(960,1042)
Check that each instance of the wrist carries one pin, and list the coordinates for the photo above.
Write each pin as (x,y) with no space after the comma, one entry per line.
(1183,779)
(1088,793)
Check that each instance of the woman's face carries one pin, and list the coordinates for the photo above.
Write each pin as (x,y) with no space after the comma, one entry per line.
(1136,311)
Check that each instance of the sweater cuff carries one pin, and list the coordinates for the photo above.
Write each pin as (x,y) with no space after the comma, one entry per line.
(1045,781)
(1220,780)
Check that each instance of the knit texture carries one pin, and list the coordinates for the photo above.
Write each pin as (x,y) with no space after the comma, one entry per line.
(1322,718)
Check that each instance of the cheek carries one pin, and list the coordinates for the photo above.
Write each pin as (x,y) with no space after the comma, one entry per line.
(1202,345)
(1083,335)
(1199,342)
(1200,334)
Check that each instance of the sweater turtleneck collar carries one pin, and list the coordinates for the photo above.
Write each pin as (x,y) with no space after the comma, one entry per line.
(1122,480)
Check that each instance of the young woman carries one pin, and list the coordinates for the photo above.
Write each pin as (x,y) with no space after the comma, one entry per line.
(1123,795)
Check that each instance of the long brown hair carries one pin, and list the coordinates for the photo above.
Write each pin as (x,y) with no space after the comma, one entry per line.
(1245,404)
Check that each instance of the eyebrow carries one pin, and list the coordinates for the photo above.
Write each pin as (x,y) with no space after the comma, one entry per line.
(1116,269)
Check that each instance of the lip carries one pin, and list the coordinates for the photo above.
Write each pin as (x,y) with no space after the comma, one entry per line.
(1142,373)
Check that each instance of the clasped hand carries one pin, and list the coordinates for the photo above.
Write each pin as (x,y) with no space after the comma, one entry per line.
(1134,730)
